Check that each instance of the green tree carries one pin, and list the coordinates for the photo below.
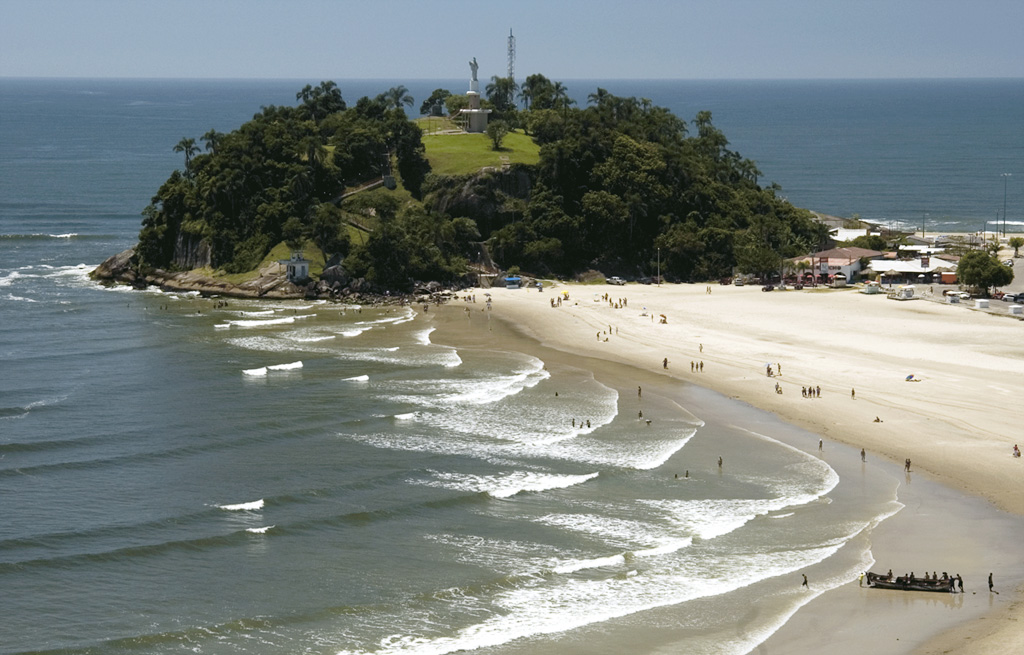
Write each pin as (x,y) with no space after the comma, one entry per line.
(1016,243)
(212,139)
(501,91)
(329,232)
(496,132)
(434,105)
(982,271)
(189,147)
(293,233)
(397,96)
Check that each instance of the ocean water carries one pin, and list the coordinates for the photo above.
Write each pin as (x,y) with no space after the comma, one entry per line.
(307,477)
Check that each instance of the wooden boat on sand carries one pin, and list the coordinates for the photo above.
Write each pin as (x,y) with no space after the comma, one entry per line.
(910,583)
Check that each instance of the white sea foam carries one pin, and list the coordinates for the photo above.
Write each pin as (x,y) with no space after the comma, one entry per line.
(10,278)
(243,507)
(354,331)
(406,417)
(255,372)
(507,485)
(357,378)
(15,298)
(286,367)
(423,337)
(569,602)
(262,530)
(258,323)
(595,563)
(311,338)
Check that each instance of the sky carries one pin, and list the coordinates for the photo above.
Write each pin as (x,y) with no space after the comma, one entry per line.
(572,39)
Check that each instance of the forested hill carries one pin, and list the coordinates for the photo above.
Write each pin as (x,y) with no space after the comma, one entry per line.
(618,181)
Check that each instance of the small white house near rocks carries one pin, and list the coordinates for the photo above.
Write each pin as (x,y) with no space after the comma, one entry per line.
(297,268)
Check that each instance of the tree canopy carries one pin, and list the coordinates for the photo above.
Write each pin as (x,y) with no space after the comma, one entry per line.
(983,271)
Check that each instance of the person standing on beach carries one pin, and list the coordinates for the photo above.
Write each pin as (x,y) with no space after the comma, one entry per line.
(990,589)
(664,363)
(853,394)
(702,366)
(639,392)
(804,583)
(863,457)
(960,583)
(821,445)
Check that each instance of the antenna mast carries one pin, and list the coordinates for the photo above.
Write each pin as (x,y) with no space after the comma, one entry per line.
(511,55)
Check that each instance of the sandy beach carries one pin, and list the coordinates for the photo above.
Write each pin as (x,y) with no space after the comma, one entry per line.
(957,422)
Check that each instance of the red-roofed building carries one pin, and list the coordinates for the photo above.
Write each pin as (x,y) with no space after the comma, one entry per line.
(827,264)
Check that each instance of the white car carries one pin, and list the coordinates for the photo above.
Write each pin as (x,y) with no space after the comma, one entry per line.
(1008,262)
(616,280)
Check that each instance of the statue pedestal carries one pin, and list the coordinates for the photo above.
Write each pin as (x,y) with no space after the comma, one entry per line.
(476,117)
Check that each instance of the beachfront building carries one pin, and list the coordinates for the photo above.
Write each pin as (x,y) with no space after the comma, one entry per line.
(824,266)
(925,268)
(297,268)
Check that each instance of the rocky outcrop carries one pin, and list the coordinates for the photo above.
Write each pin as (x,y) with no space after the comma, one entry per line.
(121,267)
(191,251)
(481,196)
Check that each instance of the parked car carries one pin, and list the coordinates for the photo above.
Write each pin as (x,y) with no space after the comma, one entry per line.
(738,282)
(1008,297)
(1008,262)
(768,287)
(1018,297)
(616,280)
(964,295)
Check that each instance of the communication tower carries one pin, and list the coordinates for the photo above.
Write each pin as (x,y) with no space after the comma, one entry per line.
(511,55)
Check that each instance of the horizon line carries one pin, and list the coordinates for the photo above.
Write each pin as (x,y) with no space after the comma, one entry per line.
(425,79)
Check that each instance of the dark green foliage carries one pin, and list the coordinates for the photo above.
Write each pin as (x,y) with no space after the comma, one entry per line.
(496,131)
(413,244)
(982,271)
(621,178)
(434,105)
(275,178)
(869,241)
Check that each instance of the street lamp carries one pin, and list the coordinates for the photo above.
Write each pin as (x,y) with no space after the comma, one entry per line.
(1005,177)
(659,267)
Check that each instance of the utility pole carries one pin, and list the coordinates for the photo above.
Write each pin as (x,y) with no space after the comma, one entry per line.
(1005,176)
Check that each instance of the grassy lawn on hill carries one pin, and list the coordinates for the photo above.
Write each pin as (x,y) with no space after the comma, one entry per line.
(461,154)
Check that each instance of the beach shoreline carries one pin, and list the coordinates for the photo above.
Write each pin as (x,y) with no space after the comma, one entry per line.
(950,424)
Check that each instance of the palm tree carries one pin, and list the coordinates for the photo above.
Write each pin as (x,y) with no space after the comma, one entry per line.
(187,146)
(1016,243)
(212,140)
(501,91)
(598,98)
(397,96)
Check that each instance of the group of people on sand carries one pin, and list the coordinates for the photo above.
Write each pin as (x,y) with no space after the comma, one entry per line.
(615,303)
(697,367)
(811,392)
(1016,451)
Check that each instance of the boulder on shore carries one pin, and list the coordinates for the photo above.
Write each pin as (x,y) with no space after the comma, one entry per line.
(121,267)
